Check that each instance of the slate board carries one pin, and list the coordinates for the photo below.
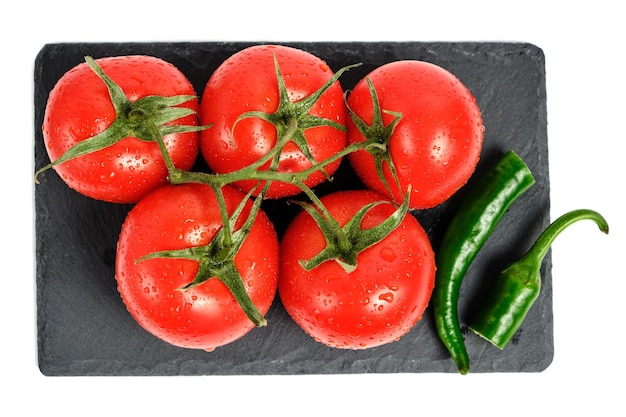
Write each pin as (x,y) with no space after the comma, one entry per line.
(84,329)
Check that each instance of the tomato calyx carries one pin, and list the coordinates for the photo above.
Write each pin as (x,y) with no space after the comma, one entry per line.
(378,136)
(343,244)
(132,119)
(216,260)
(298,112)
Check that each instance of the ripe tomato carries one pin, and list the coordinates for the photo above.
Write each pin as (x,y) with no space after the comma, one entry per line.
(436,144)
(377,303)
(247,81)
(79,107)
(205,316)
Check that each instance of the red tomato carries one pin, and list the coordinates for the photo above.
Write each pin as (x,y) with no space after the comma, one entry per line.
(205,316)
(437,143)
(377,303)
(79,107)
(247,82)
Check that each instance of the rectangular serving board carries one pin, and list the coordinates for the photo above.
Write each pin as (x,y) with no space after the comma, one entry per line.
(83,327)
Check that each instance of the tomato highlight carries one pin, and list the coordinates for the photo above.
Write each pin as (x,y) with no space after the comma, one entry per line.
(373,304)
(102,142)
(251,114)
(173,282)
(427,125)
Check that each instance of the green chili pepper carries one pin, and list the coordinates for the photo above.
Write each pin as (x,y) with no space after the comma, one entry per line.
(519,284)
(476,217)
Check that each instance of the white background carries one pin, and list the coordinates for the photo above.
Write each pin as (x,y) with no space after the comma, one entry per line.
(584,48)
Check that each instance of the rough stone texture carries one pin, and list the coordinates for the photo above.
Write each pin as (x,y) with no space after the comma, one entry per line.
(84,329)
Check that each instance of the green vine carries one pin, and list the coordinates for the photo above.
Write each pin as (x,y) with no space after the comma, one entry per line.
(145,119)
(378,136)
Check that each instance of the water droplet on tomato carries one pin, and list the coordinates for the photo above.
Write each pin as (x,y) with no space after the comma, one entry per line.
(388,297)
(388,254)
(107,178)
(354,334)
(331,278)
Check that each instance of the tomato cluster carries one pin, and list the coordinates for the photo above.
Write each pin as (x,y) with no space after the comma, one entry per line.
(198,261)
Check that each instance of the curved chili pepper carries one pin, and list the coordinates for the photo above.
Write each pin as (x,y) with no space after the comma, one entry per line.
(519,284)
(476,217)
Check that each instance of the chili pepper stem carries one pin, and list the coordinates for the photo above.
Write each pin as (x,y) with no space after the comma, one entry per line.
(519,285)
(543,243)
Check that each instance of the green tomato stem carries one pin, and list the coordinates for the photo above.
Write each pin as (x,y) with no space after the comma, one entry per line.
(378,137)
(227,236)
(148,119)
(343,244)
(156,136)
(144,119)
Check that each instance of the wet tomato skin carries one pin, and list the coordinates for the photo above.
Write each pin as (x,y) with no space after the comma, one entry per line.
(79,107)
(436,145)
(374,305)
(232,91)
(206,316)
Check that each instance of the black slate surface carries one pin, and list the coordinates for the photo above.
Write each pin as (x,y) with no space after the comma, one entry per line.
(84,329)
